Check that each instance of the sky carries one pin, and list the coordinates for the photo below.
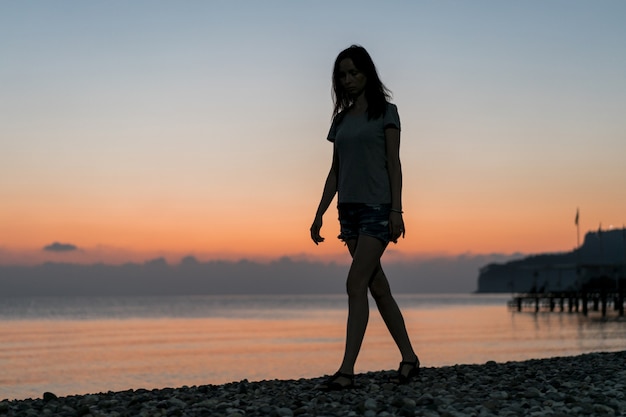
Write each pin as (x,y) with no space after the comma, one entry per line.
(135,129)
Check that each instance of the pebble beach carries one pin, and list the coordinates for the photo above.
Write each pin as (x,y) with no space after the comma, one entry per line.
(587,385)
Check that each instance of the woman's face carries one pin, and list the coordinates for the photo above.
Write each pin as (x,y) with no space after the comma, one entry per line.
(351,79)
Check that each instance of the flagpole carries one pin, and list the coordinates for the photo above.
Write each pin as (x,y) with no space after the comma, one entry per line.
(601,242)
(578,254)
(577,230)
(624,241)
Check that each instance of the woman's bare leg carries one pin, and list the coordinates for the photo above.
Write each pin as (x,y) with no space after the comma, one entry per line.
(391,314)
(388,308)
(366,252)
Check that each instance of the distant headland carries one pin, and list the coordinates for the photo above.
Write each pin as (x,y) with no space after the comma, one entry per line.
(605,249)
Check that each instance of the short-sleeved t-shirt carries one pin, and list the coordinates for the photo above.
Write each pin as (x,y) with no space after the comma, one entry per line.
(362,156)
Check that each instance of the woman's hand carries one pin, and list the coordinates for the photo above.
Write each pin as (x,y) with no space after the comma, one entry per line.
(315,230)
(396,226)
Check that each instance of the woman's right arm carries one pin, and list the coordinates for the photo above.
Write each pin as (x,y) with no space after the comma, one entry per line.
(330,189)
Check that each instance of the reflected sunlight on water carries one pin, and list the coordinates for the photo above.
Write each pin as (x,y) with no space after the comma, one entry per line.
(74,356)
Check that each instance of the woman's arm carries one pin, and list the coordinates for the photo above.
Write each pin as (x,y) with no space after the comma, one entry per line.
(330,189)
(394,168)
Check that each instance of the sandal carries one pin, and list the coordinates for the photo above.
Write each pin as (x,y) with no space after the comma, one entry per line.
(405,377)
(332,383)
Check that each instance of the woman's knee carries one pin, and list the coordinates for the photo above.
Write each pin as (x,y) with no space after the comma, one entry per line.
(356,290)
(379,286)
(379,291)
(356,285)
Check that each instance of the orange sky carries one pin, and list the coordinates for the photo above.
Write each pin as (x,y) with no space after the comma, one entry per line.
(140,233)
(209,138)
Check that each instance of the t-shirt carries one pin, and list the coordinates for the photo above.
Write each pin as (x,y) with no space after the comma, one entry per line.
(362,156)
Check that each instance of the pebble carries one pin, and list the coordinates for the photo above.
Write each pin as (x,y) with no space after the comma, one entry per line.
(586,385)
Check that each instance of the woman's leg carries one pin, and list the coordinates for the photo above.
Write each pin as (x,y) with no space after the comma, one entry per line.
(388,308)
(366,252)
(391,314)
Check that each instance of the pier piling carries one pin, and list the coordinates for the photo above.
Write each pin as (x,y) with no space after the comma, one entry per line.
(599,287)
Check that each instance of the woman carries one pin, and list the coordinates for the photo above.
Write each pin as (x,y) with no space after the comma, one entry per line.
(366,175)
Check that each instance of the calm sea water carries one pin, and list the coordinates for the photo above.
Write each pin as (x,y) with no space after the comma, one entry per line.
(91,344)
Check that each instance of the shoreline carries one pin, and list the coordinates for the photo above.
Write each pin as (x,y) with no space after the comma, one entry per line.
(588,384)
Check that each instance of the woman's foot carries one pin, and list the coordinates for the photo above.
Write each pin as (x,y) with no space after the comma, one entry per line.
(337,382)
(407,371)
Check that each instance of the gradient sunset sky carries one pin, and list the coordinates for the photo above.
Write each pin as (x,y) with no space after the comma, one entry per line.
(139,128)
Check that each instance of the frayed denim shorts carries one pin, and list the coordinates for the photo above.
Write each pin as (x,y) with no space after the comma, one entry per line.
(364,219)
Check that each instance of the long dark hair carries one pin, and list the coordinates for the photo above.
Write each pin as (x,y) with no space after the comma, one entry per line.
(376,93)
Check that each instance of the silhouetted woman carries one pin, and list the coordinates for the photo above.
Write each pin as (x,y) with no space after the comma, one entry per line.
(366,175)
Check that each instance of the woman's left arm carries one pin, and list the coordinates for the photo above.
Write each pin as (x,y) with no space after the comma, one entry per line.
(394,168)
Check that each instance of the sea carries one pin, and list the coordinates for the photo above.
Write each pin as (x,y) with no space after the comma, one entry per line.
(81,345)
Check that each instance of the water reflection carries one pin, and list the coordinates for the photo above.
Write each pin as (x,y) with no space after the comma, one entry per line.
(71,356)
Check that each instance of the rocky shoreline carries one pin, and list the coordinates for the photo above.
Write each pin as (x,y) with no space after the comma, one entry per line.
(586,385)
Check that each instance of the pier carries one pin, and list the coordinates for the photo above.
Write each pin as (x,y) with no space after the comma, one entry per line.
(599,288)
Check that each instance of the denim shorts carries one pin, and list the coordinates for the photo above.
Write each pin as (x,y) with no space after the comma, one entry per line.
(364,219)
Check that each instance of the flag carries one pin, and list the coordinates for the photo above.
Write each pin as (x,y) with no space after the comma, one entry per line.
(576,219)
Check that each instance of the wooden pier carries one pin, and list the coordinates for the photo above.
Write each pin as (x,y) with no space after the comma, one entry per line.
(601,288)
(572,303)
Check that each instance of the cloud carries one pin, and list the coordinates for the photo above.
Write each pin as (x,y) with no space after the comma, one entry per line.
(60,247)
(190,276)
